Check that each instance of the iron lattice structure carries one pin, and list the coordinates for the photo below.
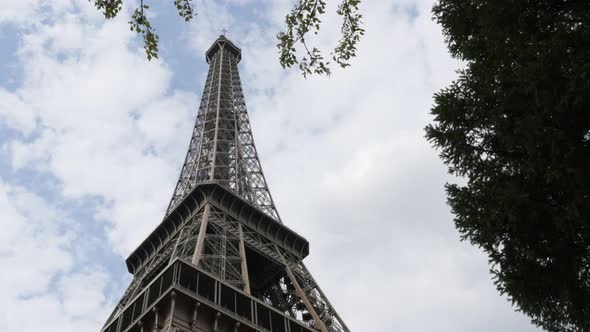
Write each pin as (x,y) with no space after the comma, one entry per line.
(221,260)
(222,147)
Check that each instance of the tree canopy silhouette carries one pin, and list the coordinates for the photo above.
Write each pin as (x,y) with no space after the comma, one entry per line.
(516,125)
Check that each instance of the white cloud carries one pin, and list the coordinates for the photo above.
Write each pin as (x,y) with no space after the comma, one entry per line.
(36,254)
(34,242)
(82,294)
(107,121)
(31,12)
(213,16)
(15,113)
(100,119)
(368,194)
(17,10)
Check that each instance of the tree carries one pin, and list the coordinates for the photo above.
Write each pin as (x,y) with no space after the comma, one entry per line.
(304,18)
(516,126)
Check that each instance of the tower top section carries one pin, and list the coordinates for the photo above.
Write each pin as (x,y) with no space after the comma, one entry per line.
(222,146)
(223,43)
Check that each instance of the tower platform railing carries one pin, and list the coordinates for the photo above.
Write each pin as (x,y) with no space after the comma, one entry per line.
(182,294)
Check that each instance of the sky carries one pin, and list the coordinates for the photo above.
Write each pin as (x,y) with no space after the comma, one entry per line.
(92,138)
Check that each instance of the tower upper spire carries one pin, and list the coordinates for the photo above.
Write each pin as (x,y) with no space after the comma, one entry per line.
(222,147)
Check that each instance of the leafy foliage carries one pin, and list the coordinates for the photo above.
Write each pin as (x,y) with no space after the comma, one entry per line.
(185,10)
(516,125)
(140,23)
(110,8)
(305,18)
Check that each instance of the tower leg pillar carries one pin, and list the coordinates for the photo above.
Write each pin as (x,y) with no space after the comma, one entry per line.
(244,263)
(318,322)
(201,237)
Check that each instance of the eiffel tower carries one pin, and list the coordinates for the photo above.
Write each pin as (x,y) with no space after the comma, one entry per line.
(221,259)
